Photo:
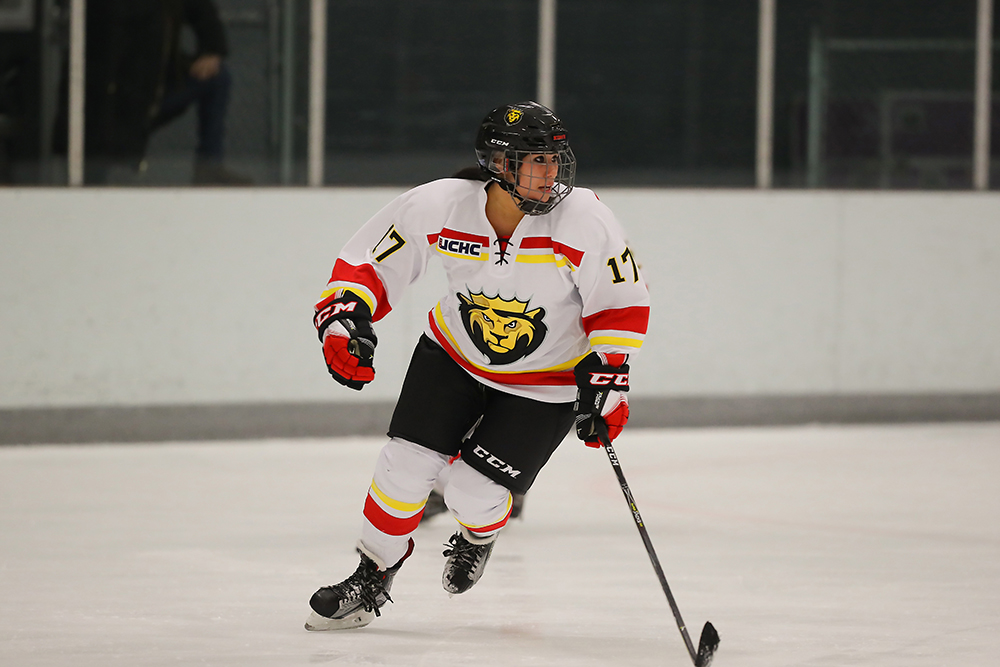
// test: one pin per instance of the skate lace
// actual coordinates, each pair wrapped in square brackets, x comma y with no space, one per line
[465,552]
[364,585]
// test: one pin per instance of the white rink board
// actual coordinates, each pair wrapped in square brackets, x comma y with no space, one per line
[862,546]
[153,297]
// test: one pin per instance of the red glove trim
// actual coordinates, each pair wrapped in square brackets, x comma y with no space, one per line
[615,421]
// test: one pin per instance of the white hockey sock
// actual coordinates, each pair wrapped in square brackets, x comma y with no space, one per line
[404,475]
[478,503]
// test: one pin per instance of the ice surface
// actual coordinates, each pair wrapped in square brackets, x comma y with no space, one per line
[812,546]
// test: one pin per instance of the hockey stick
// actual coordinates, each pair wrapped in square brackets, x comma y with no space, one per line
[709,641]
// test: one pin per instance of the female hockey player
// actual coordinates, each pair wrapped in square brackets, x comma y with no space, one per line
[544,304]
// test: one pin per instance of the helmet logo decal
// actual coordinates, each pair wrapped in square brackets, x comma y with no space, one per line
[513,115]
[503,330]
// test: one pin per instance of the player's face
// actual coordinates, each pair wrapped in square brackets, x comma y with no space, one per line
[537,175]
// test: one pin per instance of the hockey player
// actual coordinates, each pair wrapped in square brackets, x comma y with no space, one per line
[544,304]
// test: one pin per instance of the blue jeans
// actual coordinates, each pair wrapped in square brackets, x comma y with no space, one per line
[212,98]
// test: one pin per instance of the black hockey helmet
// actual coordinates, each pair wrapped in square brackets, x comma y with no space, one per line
[510,133]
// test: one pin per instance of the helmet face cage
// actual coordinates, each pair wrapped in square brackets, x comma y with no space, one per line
[535,185]
[515,147]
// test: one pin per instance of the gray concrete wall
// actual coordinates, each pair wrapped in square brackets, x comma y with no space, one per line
[116,299]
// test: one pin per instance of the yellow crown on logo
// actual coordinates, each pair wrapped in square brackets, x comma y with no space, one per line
[499,304]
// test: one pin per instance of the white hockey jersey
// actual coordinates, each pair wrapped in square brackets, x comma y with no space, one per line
[519,315]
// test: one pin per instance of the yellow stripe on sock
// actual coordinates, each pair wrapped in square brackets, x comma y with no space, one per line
[510,501]
[395,504]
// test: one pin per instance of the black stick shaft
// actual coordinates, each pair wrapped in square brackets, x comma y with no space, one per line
[606,441]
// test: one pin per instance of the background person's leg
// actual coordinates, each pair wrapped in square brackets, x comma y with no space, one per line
[212,99]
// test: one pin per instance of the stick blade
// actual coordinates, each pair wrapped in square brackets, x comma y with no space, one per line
[706,646]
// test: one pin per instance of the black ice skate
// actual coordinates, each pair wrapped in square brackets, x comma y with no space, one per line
[467,558]
[354,602]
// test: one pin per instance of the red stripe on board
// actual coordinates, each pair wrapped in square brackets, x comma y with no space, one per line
[432,239]
[543,378]
[633,318]
[386,522]
[364,275]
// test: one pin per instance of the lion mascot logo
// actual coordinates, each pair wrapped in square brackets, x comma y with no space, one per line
[502,330]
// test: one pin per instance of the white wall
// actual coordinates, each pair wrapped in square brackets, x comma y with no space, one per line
[134,297]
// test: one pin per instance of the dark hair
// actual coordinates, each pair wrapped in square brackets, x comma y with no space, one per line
[474,173]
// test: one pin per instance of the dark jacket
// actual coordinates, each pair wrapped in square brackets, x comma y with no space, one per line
[133,57]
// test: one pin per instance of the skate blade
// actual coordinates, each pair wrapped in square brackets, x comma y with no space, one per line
[360,619]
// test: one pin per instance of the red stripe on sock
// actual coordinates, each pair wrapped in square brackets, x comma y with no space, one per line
[387,523]
[483,531]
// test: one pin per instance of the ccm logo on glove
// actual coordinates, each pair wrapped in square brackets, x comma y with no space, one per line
[601,379]
[345,327]
[335,309]
[601,401]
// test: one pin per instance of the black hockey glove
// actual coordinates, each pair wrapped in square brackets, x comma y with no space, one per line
[601,401]
[344,325]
